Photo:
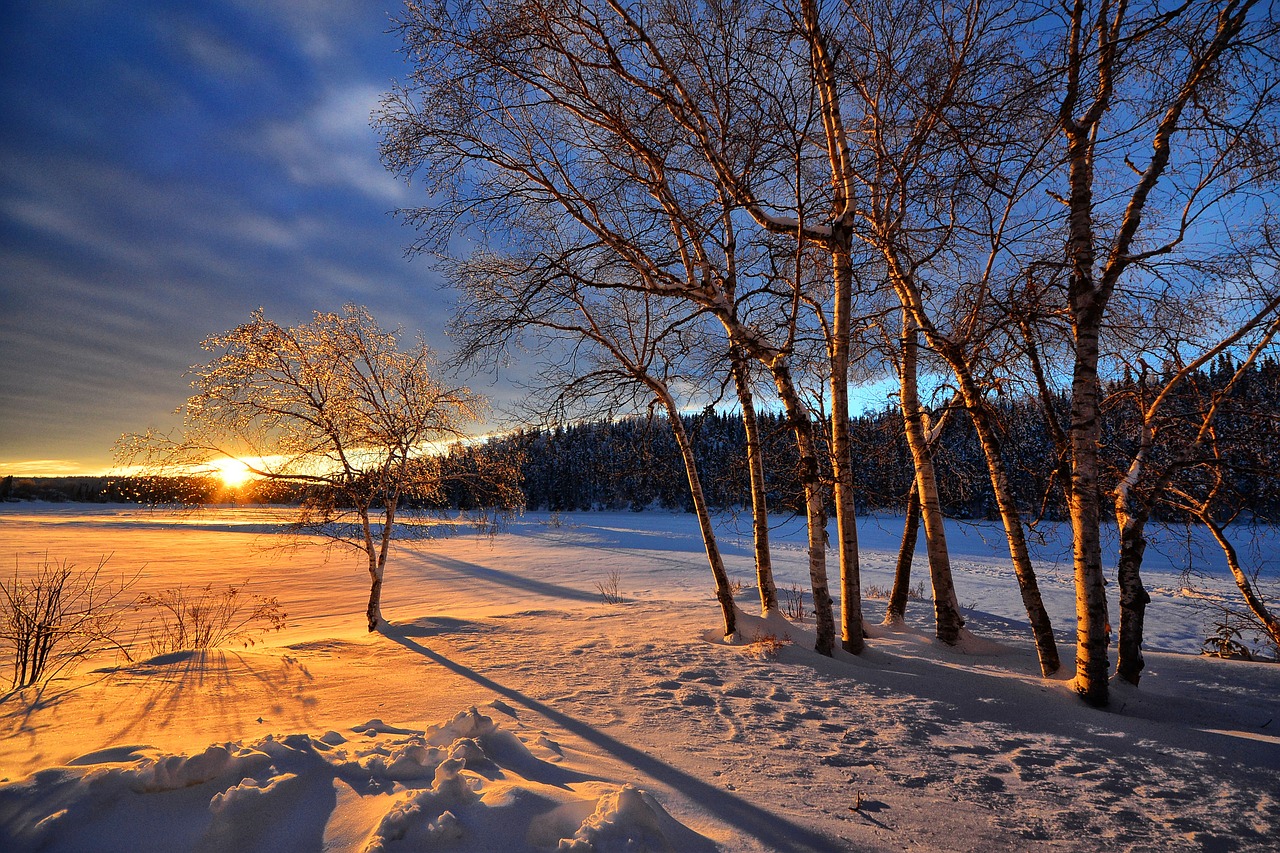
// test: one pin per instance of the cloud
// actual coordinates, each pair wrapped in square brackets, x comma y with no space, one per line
[207,50]
[332,144]
[221,160]
[321,29]
[46,468]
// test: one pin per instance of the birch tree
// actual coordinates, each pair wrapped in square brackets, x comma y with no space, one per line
[335,406]
[539,112]
[935,97]
[1167,444]
[1194,85]
[636,342]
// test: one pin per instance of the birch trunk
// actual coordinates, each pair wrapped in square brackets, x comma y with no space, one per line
[1133,596]
[374,610]
[373,613]
[806,446]
[945,607]
[724,594]
[851,639]
[815,508]
[1091,601]
[896,612]
[759,503]
[1024,571]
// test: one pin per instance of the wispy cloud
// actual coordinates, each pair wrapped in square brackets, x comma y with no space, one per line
[333,144]
[321,29]
[207,50]
[47,468]
[221,160]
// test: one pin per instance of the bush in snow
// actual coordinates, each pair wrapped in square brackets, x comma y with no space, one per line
[186,619]
[56,615]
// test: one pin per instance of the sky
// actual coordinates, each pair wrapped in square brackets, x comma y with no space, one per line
[165,169]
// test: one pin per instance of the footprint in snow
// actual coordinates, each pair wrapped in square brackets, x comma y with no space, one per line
[696,698]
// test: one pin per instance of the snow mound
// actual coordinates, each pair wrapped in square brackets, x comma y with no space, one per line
[626,820]
[466,783]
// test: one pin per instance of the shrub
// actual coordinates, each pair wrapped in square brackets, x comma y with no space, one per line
[609,588]
[203,618]
[56,615]
[880,593]
[767,646]
[793,603]
[1226,642]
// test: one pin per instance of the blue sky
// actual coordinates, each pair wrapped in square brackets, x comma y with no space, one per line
[165,168]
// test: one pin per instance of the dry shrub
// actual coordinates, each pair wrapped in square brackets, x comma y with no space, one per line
[187,619]
[55,615]
[793,603]
[879,593]
[610,589]
[767,646]
[1228,640]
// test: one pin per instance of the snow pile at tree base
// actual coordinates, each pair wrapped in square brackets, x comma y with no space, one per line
[467,784]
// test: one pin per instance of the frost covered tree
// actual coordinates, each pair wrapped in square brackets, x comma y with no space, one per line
[334,406]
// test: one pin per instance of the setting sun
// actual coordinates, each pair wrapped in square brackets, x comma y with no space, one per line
[234,472]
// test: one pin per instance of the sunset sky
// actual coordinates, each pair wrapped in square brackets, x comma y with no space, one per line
[166,167]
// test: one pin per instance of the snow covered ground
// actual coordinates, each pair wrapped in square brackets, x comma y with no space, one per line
[618,727]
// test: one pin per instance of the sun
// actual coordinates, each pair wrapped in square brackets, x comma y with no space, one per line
[234,472]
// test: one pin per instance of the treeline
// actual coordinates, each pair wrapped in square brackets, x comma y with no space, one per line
[455,490]
[63,489]
[633,463]
[105,489]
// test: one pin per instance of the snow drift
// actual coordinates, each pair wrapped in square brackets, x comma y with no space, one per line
[468,783]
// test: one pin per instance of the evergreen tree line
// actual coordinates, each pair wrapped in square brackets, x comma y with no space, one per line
[632,463]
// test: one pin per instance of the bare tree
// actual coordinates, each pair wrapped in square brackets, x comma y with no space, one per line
[755,470]
[1195,85]
[943,162]
[334,406]
[1258,612]
[1168,442]
[922,445]
[541,113]
[636,341]
[925,487]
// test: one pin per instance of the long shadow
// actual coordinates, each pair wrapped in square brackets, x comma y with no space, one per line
[1026,707]
[510,579]
[19,705]
[775,833]
[213,677]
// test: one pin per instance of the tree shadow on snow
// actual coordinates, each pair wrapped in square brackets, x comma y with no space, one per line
[432,626]
[774,832]
[507,579]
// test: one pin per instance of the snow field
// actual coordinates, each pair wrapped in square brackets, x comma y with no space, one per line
[627,727]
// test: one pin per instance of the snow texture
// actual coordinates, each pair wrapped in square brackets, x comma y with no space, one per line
[506,708]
